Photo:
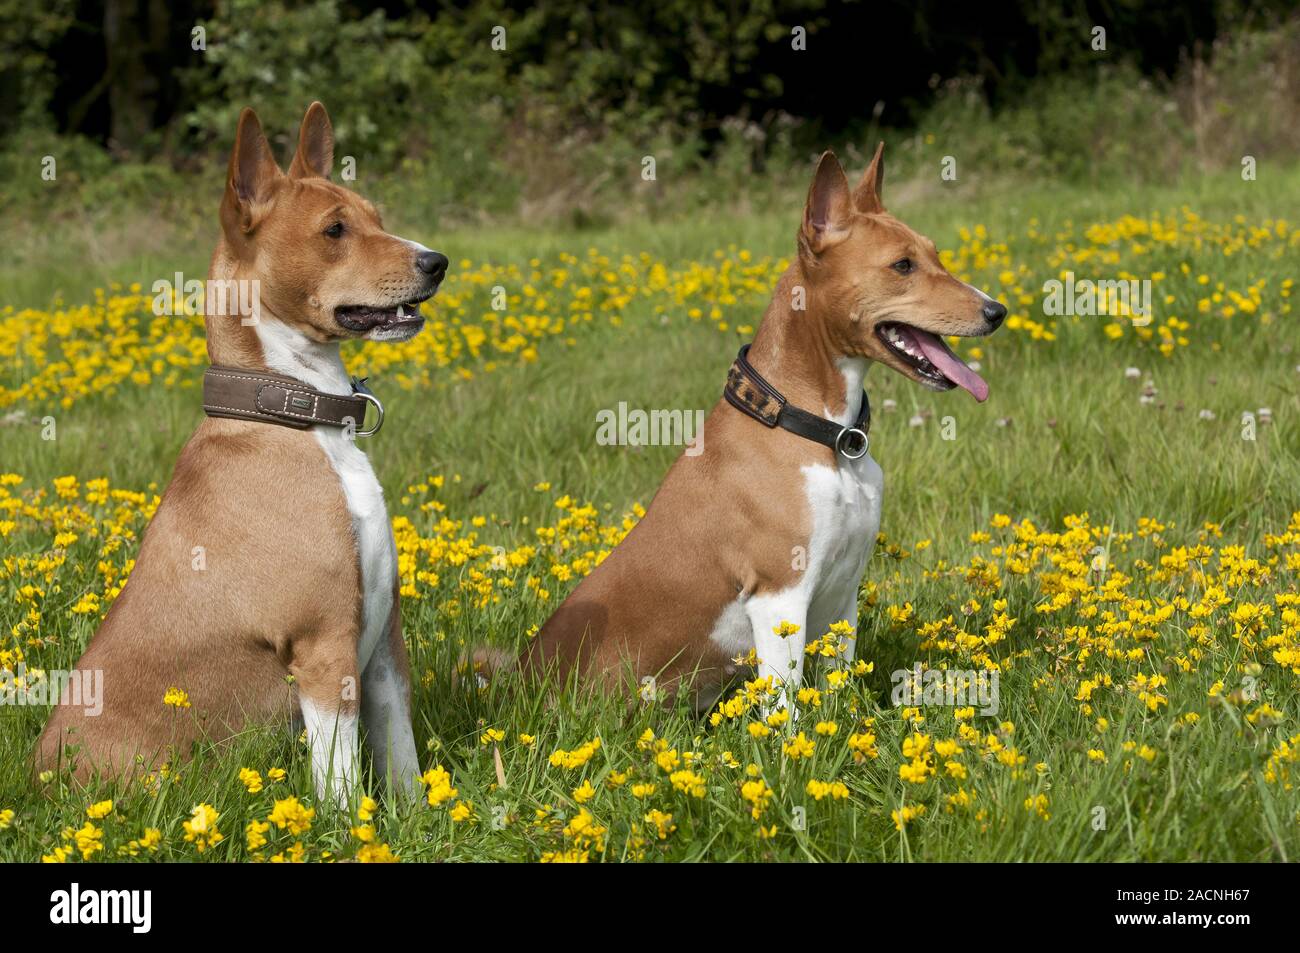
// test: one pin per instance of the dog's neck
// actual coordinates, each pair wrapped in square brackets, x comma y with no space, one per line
[268,343]
[288,351]
[795,353]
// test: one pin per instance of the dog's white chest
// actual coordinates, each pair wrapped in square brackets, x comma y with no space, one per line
[376,550]
[845,504]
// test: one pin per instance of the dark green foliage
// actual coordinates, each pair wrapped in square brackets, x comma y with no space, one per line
[555,125]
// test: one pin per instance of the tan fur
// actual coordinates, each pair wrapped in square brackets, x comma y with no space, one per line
[280,594]
[230,634]
[726,521]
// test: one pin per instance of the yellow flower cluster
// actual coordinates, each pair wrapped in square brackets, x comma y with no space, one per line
[490,316]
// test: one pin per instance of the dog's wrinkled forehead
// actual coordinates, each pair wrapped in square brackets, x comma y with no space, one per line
[892,239]
[321,199]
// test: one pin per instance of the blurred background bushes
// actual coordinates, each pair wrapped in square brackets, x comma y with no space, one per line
[553,128]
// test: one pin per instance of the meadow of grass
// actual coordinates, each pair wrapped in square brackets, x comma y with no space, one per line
[1120,546]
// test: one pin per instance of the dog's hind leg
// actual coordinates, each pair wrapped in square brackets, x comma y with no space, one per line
[386,711]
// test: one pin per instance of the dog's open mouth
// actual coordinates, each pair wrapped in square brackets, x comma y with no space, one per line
[395,318]
[934,362]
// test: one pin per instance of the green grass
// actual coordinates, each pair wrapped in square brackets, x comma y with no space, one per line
[1063,433]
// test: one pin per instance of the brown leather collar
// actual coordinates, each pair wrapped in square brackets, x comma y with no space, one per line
[276,399]
[751,394]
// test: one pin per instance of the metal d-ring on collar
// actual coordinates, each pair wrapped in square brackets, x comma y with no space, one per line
[361,390]
[751,394]
[852,442]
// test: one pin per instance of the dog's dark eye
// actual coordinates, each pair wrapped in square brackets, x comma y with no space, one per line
[335,230]
[903,266]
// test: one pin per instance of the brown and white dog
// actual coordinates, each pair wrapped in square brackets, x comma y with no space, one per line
[765,526]
[297,571]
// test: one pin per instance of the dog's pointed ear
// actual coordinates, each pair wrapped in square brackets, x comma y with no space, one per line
[828,214]
[252,172]
[866,197]
[315,155]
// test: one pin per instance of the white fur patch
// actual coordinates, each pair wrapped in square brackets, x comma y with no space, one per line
[334,748]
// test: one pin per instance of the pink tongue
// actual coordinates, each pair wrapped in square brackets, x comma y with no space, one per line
[951,366]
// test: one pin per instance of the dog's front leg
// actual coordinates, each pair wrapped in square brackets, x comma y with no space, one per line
[779,626]
[386,711]
[327,695]
[332,735]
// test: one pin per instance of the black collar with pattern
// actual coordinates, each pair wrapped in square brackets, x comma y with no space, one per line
[749,393]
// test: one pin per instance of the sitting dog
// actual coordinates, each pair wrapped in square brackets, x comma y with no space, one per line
[763,536]
[271,554]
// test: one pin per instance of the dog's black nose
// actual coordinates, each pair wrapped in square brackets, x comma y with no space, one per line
[432,263]
[994,312]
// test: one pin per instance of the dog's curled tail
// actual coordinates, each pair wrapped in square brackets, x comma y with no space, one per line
[485,663]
